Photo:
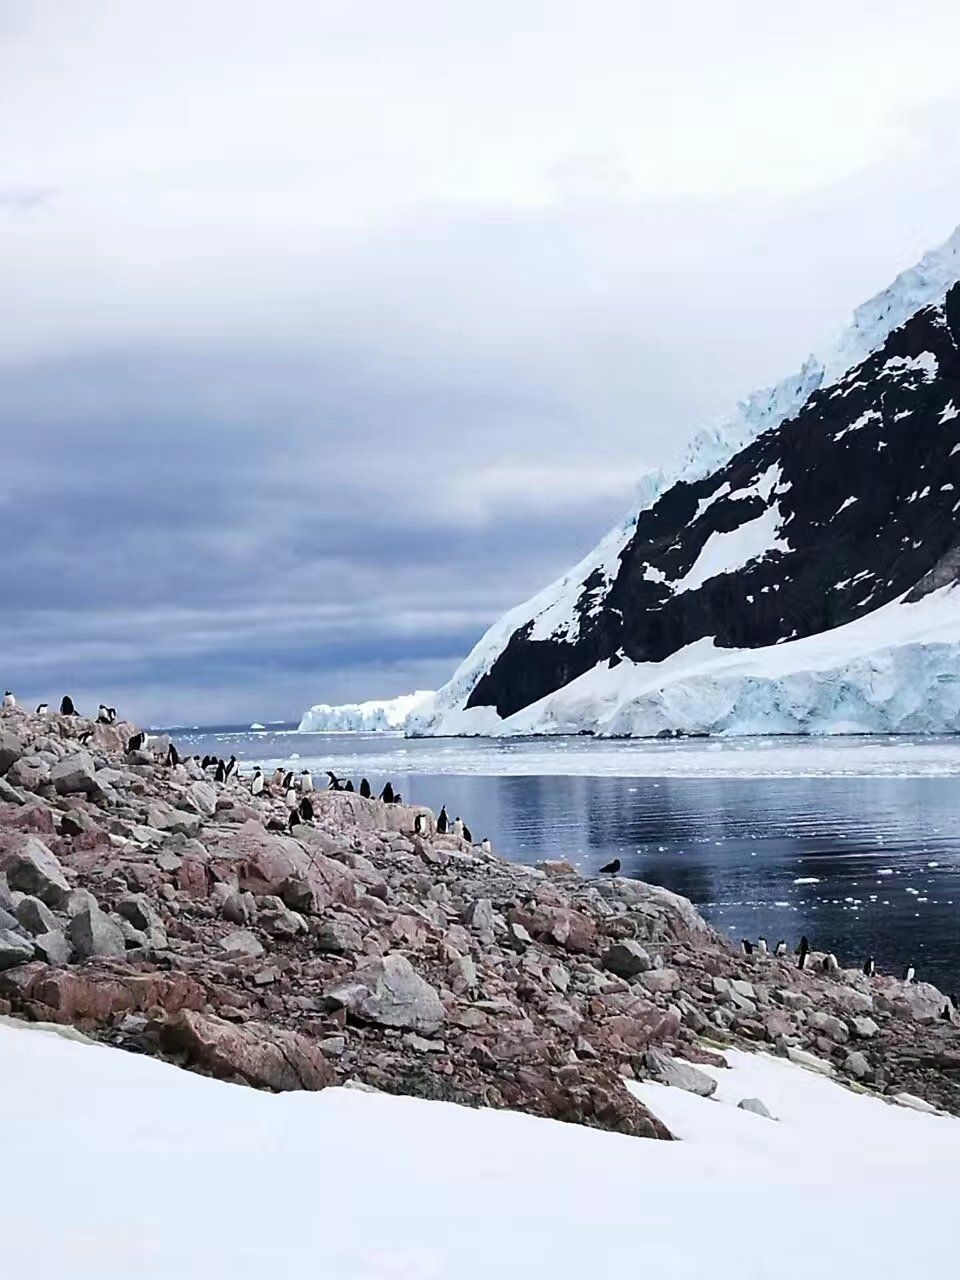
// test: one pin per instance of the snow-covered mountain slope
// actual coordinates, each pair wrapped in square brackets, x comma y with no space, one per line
[822,500]
[366,1186]
[387,716]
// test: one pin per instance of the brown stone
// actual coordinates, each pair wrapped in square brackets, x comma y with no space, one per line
[267,1057]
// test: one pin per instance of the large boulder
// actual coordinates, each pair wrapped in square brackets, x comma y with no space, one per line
[391,993]
[679,1075]
[264,1056]
[14,949]
[32,868]
[666,916]
[91,996]
[75,774]
[139,911]
[11,749]
[93,933]
[35,916]
[627,959]
[269,861]
[203,797]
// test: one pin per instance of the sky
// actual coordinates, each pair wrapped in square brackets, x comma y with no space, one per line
[329,332]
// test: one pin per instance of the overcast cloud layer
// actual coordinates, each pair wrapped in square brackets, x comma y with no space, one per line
[331,331]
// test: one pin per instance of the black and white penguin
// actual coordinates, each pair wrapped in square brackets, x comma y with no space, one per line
[112,713]
[136,742]
[231,766]
[306,810]
[762,946]
[257,785]
[277,778]
[173,756]
[43,708]
[365,788]
[221,772]
[293,820]
[306,782]
[420,825]
[458,826]
[288,780]
[386,795]
[84,738]
[103,714]
[780,949]
[803,950]
[485,845]
[348,785]
[870,967]
[746,946]
[66,706]
[910,974]
[442,822]
[467,835]
[335,783]
[611,868]
[946,1013]
[830,963]
[8,699]
[397,798]
[290,798]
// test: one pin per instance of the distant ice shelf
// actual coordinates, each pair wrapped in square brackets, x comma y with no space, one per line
[388,715]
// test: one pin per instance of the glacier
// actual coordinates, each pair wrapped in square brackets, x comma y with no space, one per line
[705,689]
[388,715]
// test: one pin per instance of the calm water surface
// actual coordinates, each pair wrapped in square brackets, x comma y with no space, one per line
[855,842]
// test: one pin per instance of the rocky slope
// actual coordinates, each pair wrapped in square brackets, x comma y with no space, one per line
[157,910]
[831,498]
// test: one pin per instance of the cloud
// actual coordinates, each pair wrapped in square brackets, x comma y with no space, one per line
[331,332]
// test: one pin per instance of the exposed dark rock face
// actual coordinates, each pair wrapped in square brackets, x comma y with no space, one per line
[859,492]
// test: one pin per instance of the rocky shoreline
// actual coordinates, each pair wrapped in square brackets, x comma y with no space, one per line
[155,910]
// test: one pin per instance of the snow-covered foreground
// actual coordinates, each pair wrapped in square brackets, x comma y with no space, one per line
[118,1166]
[388,715]
[896,670]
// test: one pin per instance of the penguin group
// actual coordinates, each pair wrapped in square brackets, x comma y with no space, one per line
[828,962]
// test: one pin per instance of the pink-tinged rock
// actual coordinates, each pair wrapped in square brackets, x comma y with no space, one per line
[265,1056]
[268,860]
[35,817]
[191,877]
[91,996]
[638,1029]
[31,867]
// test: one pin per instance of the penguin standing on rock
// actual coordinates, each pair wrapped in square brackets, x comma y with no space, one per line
[84,738]
[103,714]
[831,964]
[348,785]
[306,782]
[397,798]
[277,778]
[134,743]
[221,773]
[257,785]
[442,822]
[288,780]
[780,949]
[365,788]
[467,834]
[458,827]
[485,845]
[290,799]
[306,810]
[173,756]
[803,950]
[231,766]
[8,699]
[611,869]
[386,795]
[870,967]
[762,946]
[910,974]
[746,946]
[66,706]
[43,708]
[420,825]
[335,783]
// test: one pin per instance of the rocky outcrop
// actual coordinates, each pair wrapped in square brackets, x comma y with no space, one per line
[356,950]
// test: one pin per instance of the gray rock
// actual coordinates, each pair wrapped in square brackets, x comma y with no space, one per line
[8,920]
[139,911]
[857,1064]
[35,917]
[810,1060]
[53,947]
[391,993]
[75,774]
[14,949]
[277,918]
[627,959]
[32,868]
[679,1075]
[78,901]
[203,797]
[479,916]
[332,1046]
[93,933]
[754,1105]
[242,943]
[661,981]
[518,936]
[863,1028]
[744,989]
[827,1025]
[11,749]
[338,936]
[10,794]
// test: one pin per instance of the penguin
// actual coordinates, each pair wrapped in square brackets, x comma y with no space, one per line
[386,795]
[467,835]
[103,714]
[84,738]
[306,782]
[134,743]
[306,810]
[43,708]
[419,825]
[802,952]
[335,783]
[8,699]
[485,845]
[397,798]
[746,946]
[231,766]
[290,799]
[348,785]
[458,827]
[780,949]
[294,819]
[611,868]
[173,756]
[221,773]
[112,713]
[256,786]
[365,788]
[277,778]
[946,1013]
[66,706]
[442,822]
[830,963]
[910,974]
[288,780]
[762,946]
[870,967]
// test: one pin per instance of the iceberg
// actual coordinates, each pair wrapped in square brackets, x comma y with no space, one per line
[388,715]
